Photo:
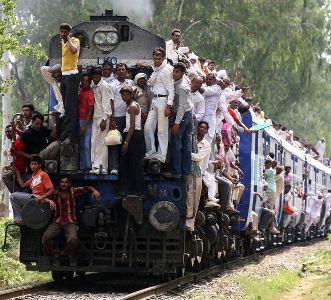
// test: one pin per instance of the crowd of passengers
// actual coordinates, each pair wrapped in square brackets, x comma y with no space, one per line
[185,115]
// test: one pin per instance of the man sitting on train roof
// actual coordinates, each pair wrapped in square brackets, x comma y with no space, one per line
[119,108]
[40,184]
[162,86]
[69,83]
[64,220]
[37,140]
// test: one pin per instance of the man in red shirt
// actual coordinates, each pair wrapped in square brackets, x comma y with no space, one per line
[64,219]
[40,184]
[85,115]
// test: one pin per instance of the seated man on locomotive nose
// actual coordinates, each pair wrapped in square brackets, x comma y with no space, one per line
[40,184]
[63,201]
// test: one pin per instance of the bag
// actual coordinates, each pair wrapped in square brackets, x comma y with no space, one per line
[113,138]
[288,209]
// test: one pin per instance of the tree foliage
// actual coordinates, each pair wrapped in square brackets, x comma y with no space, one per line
[279,44]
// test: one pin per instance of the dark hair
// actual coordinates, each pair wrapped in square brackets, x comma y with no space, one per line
[36,159]
[286,167]
[180,66]
[203,122]
[159,51]
[121,65]
[107,63]
[38,116]
[212,62]
[174,31]
[96,71]
[243,109]
[65,26]
[272,155]
[65,176]
[86,75]
[29,106]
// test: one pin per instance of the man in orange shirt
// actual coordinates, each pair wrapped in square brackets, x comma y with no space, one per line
[40,184]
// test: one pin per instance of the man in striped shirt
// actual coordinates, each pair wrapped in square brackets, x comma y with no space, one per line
[63,201]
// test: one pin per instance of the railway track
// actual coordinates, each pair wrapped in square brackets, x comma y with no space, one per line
[147,292]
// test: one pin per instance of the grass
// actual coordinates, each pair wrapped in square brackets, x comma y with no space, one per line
[12,272]
[270,287]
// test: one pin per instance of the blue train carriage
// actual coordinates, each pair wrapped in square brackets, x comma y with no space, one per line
[117,235]
[308,174]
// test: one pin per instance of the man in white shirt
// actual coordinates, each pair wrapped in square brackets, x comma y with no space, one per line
[162,87]
[119,108]
[101,119]
[107,72]
[172,46]
[198,101]
[320,147]
[200,155]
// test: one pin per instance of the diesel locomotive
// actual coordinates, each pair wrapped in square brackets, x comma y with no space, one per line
[147,234]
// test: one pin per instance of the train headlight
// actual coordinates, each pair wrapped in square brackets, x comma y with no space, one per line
[106,38]
[100,38]
[112,38]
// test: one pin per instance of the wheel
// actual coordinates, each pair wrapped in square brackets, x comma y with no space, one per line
[57,275]
[80,273]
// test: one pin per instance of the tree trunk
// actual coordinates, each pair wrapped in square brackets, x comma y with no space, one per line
[6,118]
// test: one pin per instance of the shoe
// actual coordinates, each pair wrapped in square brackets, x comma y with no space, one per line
[72,261]
[214,199]
[56,261]
[114,172]
[170,175]
[273,230]
[212,204]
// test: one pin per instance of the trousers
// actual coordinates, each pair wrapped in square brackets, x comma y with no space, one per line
[99,149]
[53,230]
[193,199]
[69,91]
[18,200]
[85,146]
[181,146]
[157,118]
[115,151]
[51,152]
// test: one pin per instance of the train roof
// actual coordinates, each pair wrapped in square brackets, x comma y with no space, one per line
[290,148]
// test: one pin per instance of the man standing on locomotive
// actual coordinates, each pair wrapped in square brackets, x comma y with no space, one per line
[172,46]
[162,86]
[69,83]
[63,201]
[100,124]
[119,111]
[181,126]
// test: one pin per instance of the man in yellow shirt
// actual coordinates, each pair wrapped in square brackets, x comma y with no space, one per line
[69,83]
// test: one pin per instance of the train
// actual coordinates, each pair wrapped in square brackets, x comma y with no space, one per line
[147,235]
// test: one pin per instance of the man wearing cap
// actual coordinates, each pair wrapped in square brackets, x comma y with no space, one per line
[172,46]
[162,87]
[100,124]
[69,83]
[119,108]
[142,96]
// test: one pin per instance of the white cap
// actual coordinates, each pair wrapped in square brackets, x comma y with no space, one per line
[138,76]
[193,56]
[221,74]
[183,50]
[56,67]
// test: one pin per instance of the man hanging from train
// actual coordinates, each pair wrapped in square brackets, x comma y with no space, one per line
[119,112]
[69,83]
[181,126]
[200,156]
[162,87]
[63,202]
[100,124]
